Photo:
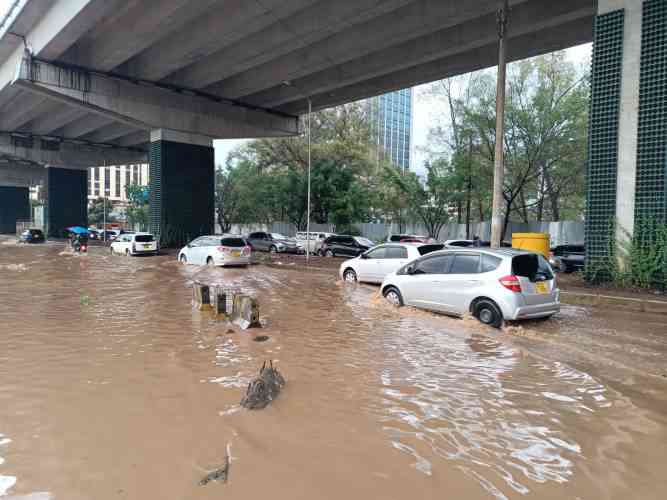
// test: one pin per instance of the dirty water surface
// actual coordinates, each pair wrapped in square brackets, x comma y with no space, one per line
[112,386]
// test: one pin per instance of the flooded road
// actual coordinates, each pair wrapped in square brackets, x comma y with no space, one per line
[113,387]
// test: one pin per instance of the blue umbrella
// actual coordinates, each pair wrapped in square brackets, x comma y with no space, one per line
[77,230]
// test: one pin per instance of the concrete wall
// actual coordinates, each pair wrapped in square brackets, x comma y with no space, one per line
[14,206]
[67,199]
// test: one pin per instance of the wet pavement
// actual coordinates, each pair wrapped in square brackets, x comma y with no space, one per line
[113,386]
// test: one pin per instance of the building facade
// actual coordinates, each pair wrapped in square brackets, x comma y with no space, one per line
[110,182]
[391,127]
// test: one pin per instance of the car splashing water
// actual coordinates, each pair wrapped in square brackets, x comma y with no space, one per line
[113,386]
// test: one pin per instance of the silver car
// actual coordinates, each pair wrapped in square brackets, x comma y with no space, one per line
[273,242]
[216,250]
[491,284]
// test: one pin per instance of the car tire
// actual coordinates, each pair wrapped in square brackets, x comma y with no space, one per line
[566,268]
[349,275]
[127,252]
[273,249]
[329,253]
[393,296]
[111,250]
[209,262]
[487,312]
[183,259]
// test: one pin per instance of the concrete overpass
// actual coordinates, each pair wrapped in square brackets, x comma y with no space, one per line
[162,78]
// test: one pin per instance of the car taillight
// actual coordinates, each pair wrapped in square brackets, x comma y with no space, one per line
[84,248]
[511,282]
[246,250]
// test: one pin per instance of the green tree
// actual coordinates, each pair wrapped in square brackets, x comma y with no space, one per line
[138,210]
[96,209]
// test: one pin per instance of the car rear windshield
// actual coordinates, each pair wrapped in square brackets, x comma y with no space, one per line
[424,249]
[363,241]
[144,238]
[232,242]
[533,266]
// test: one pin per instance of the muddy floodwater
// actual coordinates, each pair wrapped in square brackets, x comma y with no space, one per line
[113,387]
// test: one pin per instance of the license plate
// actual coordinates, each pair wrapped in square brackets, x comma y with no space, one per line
[541,287]
[236,253]
[147,246]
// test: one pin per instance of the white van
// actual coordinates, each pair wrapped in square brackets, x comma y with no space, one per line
[135,244]
[315,242]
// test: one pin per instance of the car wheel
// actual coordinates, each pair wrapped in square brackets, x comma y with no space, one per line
[184,259]
[127,252]
[111,250]
[488,313]
[209,262]
[329,253]
[566,268]
[393,296]
[350,276]
[273,249]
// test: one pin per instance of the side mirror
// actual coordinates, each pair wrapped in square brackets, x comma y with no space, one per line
[189,245]
[410,269]
[364,256]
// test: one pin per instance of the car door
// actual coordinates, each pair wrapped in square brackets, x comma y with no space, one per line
[369,265]
[194,251]
[349,247]
[419,288]
[453,290]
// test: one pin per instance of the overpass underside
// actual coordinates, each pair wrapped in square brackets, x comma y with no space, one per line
[162,78]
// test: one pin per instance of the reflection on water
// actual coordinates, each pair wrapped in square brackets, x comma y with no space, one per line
[112,386]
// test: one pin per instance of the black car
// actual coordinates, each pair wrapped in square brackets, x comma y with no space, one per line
[345,246]
[568,258]
[32,236]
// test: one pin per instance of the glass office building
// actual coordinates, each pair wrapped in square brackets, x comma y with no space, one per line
[391,126]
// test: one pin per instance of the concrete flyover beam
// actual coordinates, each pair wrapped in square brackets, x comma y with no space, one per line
[86,124]
[287,35]
[56,30]
[108,133]
[133,139]
[145,105]
[218,28]
[411,21]
[148,21]
[44,125]
[526,18]
[66,154]
[523,46]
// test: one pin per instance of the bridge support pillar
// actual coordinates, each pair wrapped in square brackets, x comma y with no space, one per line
[627,157]
[67,199]
[14,206]
[182,177]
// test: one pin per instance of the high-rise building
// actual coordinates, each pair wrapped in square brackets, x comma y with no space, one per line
[391,126]
[110,182]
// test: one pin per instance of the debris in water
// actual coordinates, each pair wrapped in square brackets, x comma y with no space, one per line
[221,474]
[230,331]
[84,300]
[263,389]
[261,338]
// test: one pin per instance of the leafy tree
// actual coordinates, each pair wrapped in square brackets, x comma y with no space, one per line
[138,206]
[96,209]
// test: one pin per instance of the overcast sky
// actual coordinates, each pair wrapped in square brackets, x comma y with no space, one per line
[424,118]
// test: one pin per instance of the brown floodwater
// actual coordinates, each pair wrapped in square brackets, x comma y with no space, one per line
[113,387]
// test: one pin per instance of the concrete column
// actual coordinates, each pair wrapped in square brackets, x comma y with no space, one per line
[628,113]
[181,180]
[67,199]
[14,206]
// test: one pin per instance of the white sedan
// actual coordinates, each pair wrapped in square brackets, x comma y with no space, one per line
[373,265]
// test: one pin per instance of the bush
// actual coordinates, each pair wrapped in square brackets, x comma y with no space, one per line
[640,261]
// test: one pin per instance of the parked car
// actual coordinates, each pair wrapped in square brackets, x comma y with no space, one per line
[372,266]
[135,244]
[273,242]
[568,258]
[343,245]
[314,243]
[407,238]
[216,250]
[32,236]
[492,284]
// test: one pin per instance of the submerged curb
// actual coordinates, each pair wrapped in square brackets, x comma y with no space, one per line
[627,303]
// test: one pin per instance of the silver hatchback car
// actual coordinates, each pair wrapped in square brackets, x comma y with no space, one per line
[492,284]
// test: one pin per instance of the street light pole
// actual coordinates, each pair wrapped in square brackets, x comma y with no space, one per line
[310,111]
[499,163]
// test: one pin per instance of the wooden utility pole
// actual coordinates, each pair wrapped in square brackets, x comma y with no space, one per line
[499,163]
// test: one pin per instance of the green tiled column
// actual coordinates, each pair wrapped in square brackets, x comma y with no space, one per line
[603,134]
[651,195]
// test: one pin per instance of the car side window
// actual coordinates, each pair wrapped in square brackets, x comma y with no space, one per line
[377,253]
[396,253]
[433,265]
[196,243]
[490,263]
[465,264]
